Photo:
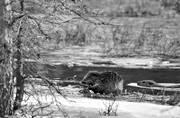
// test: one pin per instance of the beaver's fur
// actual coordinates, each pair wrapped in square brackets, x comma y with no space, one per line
[103,82]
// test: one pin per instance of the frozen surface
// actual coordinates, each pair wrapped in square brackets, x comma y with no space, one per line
[89,54]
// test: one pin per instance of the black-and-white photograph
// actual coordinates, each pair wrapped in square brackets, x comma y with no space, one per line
[89,58]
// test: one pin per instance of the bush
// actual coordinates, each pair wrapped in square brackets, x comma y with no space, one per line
[168,3]
[174,99]
[171,5]
[76,35]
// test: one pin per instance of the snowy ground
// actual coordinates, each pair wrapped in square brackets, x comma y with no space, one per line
[91,108]
[77,106]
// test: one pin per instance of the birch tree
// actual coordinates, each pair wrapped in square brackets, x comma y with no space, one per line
[6,60]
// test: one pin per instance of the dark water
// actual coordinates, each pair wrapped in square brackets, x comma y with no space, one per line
[164,75]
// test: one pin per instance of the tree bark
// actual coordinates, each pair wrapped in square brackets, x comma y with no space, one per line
[18,72]
[6,61]
[19,64]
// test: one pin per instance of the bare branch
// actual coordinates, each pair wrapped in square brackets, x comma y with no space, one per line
[39,27]
[15,19]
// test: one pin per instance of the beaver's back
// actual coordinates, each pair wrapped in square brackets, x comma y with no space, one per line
[112,81]
[109,77]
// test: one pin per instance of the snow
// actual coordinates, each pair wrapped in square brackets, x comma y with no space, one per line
[158,88]
[88,106]
[85,56]
[77,106]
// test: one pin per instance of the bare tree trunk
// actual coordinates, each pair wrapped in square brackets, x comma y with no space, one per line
[18,73]
[19,65]
[6,60]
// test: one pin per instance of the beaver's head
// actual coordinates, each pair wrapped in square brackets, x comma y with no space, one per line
[91,78]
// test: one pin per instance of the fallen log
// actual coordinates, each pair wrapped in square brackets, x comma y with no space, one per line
[155,90]
[152,83]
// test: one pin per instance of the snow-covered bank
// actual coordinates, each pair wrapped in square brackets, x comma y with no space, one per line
[93,56]
[90,108]
[139,110]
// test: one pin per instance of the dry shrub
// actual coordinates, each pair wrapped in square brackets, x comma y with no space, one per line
[110,109]
[174,99]
[75,35]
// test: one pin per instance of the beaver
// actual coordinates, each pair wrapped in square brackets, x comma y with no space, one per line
[152,83]
[103,82]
